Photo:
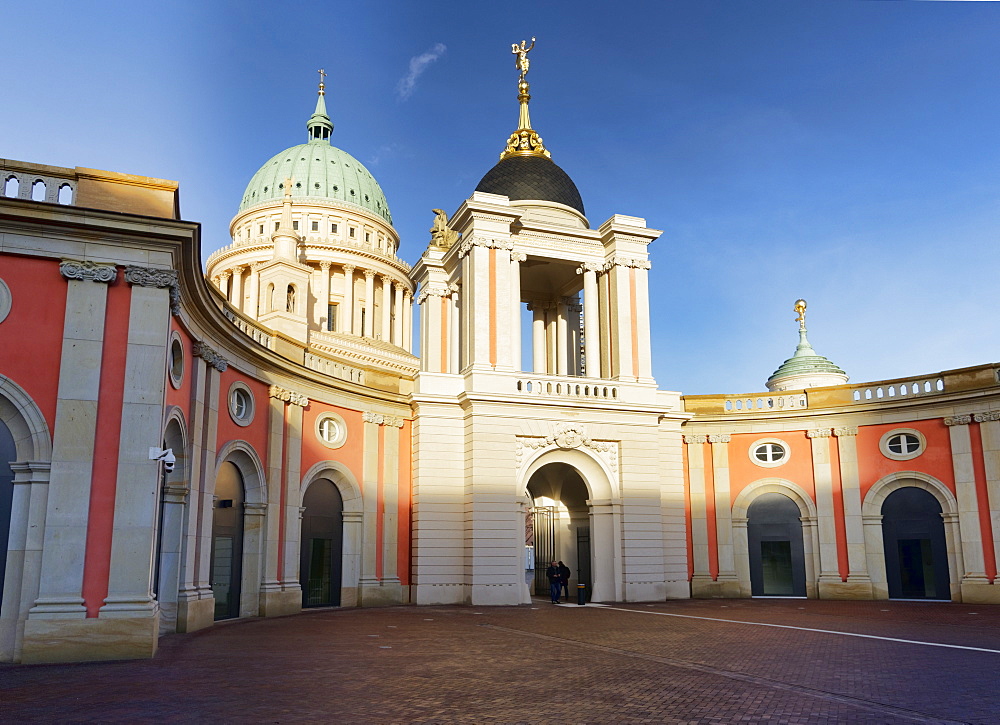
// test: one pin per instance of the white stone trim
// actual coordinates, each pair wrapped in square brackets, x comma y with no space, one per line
[176,380]
[6,299]
[883,444]
[247,419]
[340,439]
[751,452]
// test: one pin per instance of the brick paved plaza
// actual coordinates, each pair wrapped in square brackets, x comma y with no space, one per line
[548,663]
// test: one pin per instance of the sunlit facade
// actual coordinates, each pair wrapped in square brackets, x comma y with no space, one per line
[318,462]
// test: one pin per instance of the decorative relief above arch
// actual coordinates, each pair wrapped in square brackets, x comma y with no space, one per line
[566,437]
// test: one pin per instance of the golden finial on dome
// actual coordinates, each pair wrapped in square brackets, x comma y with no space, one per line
[800,308]
[525,141]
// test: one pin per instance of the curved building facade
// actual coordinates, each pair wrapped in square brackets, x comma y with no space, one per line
[179,447]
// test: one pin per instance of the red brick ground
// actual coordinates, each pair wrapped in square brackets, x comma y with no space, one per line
[546,664]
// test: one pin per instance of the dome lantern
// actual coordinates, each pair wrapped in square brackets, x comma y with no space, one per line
[805,369]
[319,124]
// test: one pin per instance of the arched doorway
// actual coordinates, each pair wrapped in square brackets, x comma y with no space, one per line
[322,545]
[777,557]
[8,454]
[916,554]
[226,567]
[560,524]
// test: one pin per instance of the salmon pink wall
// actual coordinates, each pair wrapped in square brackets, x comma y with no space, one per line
[34,330]
[934,461]
[256,433]
[181,397]
[798,469]
[349,454]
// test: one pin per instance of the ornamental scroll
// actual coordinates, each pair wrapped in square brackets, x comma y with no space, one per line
[382,419]
[568,436]
[147,277]
[288,396]
[88,271]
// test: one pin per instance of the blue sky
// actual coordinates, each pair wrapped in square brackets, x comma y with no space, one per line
[845,152]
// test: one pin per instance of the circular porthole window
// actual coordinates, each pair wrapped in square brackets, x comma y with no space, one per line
[241,407]
[769,452]
[5,300]
[176,360]
[902,444]
[331,430]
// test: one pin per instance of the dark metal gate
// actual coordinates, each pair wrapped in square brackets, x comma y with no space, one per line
[544,524]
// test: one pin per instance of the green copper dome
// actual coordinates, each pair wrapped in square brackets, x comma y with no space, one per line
[805,361]
[318,171]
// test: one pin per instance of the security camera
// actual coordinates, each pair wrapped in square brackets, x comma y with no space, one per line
[166,456]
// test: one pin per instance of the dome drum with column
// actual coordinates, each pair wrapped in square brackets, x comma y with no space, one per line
[320,212]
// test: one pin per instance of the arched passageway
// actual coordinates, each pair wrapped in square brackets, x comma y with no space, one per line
[777,557]
[226,568]
[322,545]
[916,554]
[8,454]
[559,525]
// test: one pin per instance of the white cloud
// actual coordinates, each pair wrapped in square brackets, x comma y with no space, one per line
[418,64]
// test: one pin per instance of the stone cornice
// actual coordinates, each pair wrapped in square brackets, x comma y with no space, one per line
[71,269]
[619,260]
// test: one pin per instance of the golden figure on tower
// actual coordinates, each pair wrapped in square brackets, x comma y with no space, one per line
[525,141]
[522,63]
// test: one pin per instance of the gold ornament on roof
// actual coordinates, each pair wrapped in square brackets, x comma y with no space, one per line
[322,85]
[800,308]
[525,141]
[442,235]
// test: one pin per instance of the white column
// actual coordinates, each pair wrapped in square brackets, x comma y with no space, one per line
[253,305]
[699,509]
[397,306]
[573,337]
[591,321]
[641,322]
[386,326]
[369,324]
[61,581]
[829,567]
[136,509]
[968,505]
[454,334]
[538,354]
[238,286]
[324,296]
[347,311]
[723,506]
[224,283]
[850,484]
[515,308]
[989,430]
[562,337]
[408,320]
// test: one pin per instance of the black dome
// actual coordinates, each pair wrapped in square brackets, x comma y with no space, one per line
[524,178]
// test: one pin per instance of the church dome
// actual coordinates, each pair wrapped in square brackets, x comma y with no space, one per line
[806,368]
[318,171]
[532,178]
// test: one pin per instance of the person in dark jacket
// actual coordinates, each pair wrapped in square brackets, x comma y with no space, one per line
[555,582]
[564,574]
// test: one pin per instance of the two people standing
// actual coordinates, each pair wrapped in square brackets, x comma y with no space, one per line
[558,574]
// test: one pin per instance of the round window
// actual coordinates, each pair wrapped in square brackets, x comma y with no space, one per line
[331,430]
[769,452]
[241,405]
[176,369]
[902,444]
